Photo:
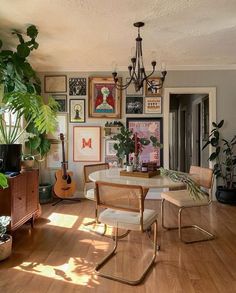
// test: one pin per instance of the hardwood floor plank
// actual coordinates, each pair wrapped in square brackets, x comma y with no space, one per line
[59,254]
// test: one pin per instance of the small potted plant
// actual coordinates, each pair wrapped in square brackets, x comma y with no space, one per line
[5,240]
[27,161]
[224,158]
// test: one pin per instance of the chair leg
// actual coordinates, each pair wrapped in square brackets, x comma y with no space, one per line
[180,227]
[209,236]
[113,252]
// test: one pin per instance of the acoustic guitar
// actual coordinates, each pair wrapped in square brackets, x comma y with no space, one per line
[64,186]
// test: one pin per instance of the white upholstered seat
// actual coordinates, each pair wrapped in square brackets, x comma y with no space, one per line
[127,220]
[181,198]
[90,194]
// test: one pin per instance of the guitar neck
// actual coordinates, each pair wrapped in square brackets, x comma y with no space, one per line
[63,163]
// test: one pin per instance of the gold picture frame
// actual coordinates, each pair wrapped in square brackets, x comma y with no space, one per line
[104,98]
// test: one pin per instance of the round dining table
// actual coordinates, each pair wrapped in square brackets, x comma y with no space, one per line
[113,175]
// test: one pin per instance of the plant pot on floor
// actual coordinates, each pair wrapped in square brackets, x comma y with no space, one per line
[5,246]
[45,193]
[10,157]
[225,195]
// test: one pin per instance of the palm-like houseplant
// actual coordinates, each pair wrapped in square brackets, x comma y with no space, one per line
[22,96]
[224,158]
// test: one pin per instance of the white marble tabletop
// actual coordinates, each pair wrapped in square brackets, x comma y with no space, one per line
[113,176]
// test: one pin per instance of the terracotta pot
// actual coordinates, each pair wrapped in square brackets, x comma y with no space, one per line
[5,247]
[27,164]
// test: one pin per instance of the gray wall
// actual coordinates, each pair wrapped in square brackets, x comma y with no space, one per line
[224,81]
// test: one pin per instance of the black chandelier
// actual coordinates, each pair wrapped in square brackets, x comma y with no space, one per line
[137,71]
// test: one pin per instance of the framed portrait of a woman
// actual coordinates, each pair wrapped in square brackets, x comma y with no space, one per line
[104,98]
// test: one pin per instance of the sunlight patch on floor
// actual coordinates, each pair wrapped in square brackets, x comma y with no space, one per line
[62,220]
[76,271]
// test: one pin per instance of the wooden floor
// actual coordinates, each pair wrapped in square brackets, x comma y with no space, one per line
[59,255]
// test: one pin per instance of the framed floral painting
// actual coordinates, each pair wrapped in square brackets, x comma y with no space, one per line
[146,127]
[104,98]
[86,143]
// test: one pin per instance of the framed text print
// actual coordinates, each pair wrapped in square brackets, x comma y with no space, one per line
[87,143]
[146,127]
[104,98]
[152,105]
[55,84]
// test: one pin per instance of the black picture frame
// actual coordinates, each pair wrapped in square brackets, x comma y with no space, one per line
[62,101]
[81,112]
[145,129]
[134,105]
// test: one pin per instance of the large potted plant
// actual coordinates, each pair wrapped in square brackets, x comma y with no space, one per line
[224,158]
[5,240]
[22,100]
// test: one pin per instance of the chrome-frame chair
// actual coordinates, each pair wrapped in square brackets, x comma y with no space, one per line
[124,208]
[181,199]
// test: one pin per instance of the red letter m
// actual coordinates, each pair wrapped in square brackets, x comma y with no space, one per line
[87,143]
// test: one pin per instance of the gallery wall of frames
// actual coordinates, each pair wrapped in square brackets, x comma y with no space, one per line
[87,104]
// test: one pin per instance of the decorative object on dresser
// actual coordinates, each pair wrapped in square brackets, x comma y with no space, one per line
[20,199]
[64,187]
[104,98]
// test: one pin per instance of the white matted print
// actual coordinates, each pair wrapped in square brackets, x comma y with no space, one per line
[54,157]
[55,84]
[77,110]
[62,125]
[152,105]
[86,143]
[109,147]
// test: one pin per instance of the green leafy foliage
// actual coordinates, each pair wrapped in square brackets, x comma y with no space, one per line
[195,191]
[223,155]
[3,181]
[4,222]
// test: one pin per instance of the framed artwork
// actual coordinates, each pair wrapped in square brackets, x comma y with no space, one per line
[146,127]
[77,110]
[134,105]
[112,161]
[153,91]
[152,105]
[62,101]
[77,86]
[87,143]
[109,147]
[62,127]
[55,84]
[54,157]
[130,91]
[104,98]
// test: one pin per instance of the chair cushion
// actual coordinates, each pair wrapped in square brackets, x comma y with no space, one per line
[90,194]
[127,220]
[182,198]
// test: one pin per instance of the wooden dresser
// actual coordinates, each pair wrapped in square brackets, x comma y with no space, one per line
[20,200]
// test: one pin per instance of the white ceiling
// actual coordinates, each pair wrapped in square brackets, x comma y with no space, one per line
[88,35]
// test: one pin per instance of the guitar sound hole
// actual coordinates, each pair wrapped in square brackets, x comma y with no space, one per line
[68,179]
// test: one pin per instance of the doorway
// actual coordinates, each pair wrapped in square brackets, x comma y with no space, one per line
[199,132]
[189,125]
